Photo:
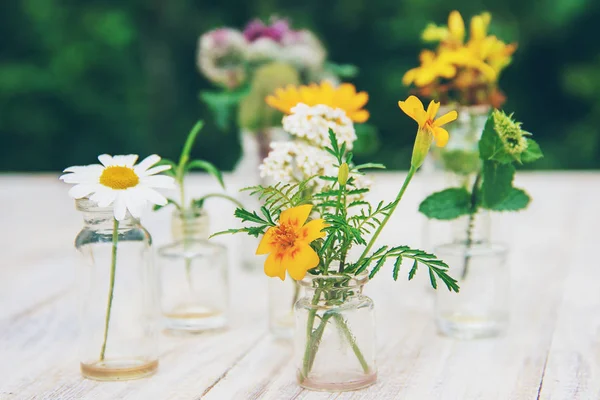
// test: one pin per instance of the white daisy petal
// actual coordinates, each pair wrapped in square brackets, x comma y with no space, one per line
[106,160]
[155,170]
[134,202]
[152,196]
[82,190]
[125,161]
[158,181]
[120,207]
[146,163]
[89,174]
[104,197]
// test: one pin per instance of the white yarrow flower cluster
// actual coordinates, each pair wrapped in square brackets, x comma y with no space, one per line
[313,125]
[295,161]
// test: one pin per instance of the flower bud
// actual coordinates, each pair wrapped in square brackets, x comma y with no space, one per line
[343,174]
[510,133]
[421,148]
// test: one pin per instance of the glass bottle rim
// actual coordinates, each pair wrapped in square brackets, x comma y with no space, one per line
[347,280]
[86,205]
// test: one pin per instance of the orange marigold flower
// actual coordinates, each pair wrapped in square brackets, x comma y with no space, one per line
[288,244]
[344,97]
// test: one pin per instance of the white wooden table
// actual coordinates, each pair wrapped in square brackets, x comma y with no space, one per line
[551,349]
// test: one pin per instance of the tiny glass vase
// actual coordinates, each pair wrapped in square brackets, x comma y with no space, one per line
[481,307]
[118,297]
[283,296]
[194,286]
[334,337]
[456,165]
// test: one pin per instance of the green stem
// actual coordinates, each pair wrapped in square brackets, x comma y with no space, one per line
[346,330]
[113,266]
[411,173]
[310,322]
[470,226]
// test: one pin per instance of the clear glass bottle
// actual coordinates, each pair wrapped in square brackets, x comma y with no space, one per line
[457,165]
[335,334]
[282,299]
[194,286]
[481,307]
[118,297]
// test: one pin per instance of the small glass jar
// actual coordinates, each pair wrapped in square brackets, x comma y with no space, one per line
[118,297]
[335,334]
[283,296]
[194,286]
[481,307]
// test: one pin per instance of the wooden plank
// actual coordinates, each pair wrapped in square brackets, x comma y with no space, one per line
[572,368]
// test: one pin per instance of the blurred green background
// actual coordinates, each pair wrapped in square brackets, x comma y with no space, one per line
[80,78]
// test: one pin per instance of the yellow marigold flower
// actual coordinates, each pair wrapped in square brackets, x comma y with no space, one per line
[288,244]
[432,67]
[435,33]
[479,26]
[469,58]
[343,97]
[413,107]
[456,26]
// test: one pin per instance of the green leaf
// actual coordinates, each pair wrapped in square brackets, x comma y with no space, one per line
[516,200]
[208,167]
[461,162]
[497,182]
[377,267]
[369,165]
[342,70]
[189,142]
[397,264]
[157,207]
[413,271]
[447,204]
[491,146]
[223,103]
[533,152]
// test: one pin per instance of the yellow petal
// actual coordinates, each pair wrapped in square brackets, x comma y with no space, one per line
[478,28]
[266,243]
[410,105]
[312,231]
[432,109]
[359,100]
[274,265]
[441,136]
[409,76]
[359,116]
[296,216]
[444,119]
[456,26]
[299,260]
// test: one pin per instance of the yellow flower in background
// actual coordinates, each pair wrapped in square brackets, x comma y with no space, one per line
[467,58]
[288,244]
[432,67]
[479,26]
[456,27]
[413,107]
[435,33]
[343,97]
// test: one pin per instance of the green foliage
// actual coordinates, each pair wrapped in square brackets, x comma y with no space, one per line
[533,152]
[461,162]
[448,204]
[493,186]
[516,200]
[497,182]
[223,104]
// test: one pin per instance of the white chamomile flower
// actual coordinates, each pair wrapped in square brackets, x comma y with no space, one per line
[121,183]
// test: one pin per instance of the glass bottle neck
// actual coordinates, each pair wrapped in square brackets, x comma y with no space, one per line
[191,224]
[330,290]
[102,218]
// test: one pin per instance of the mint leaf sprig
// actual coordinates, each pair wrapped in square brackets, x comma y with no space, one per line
[503,145]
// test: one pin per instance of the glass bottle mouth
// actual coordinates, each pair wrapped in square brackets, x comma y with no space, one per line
[334,281]
[192,223]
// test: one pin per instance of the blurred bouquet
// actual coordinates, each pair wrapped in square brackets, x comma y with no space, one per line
[250,64]
[459,70]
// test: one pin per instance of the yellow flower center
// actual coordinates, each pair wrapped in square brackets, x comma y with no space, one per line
[117,177]
[285,236]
